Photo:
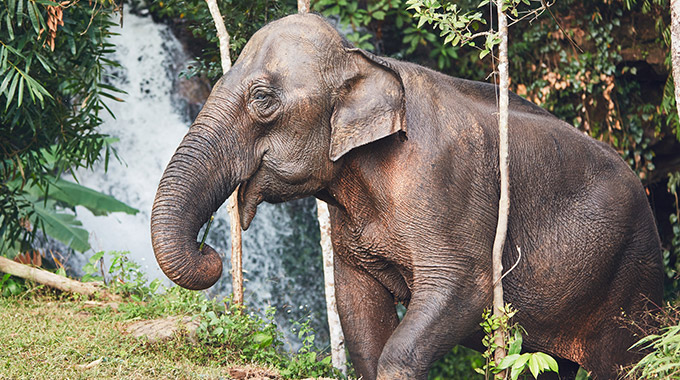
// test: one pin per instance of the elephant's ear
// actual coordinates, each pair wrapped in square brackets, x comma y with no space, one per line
[370,104]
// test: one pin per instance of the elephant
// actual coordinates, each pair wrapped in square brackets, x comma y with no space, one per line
[407,160]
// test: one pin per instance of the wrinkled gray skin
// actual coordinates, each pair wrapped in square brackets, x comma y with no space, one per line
[407,159]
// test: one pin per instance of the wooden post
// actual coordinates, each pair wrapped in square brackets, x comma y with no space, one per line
[504,202]
[232,203]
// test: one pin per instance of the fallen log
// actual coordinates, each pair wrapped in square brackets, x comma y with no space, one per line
[53,280]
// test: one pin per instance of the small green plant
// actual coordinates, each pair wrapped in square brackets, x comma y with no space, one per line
[663,359]
[516,362]
[306,362]
[124,276]
[11,286]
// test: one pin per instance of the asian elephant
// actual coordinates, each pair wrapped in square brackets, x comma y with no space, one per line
[407,158]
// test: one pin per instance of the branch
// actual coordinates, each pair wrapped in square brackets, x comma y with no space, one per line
[52,280]
[222,35]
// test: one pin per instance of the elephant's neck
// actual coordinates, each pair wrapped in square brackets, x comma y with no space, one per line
[359,191]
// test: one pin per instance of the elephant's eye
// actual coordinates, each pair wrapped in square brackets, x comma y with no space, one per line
[260,96]
[264,101]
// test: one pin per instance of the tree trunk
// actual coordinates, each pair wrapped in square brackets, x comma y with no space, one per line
[303,6]
[232,205]
[504,203]
[338,356]
[675,49]
[52,280]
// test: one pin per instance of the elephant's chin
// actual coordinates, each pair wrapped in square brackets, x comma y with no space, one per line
[249,197]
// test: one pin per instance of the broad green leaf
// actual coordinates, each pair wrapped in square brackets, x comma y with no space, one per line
[520,362]
[79,195]
[508,361]
[533,366]
[263,339]
[549,361]
[516,345]
[63,227]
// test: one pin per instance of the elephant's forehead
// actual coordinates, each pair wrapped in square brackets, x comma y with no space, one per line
[290,46]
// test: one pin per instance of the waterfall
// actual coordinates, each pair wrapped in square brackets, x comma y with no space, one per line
[281,253]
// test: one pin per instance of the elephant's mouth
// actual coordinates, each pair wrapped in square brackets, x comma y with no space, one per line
[248,197]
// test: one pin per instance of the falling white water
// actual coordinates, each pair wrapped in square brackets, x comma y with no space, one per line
[282,259]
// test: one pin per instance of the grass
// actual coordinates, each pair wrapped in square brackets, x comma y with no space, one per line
[44,334]
[44,337]
[51,336]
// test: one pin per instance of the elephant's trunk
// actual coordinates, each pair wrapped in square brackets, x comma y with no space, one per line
[198,179]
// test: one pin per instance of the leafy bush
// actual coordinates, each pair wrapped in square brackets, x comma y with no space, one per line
[52,89]
[663,360]
[124,276]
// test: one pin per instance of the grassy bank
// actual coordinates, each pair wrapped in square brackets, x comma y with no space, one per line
[57,337]
[49,334]
[46,337]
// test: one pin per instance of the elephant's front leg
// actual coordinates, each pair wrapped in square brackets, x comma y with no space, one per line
[367,313]
[436,320]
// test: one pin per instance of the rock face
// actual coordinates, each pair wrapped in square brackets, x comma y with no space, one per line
[159,330]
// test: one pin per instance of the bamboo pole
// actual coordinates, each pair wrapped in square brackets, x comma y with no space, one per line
[232,203]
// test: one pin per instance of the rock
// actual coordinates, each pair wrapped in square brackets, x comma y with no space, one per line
[158,330]
[252,373]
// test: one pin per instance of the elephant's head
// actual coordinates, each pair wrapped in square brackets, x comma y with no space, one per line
[278,123]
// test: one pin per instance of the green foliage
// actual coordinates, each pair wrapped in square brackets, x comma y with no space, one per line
[663,362]
[306,362]
[242,18]
[459,27]
[48,202]
[516,362]
[124,276]
[234,335]
[80,332]
[52,61]
[460,363]
[11,286]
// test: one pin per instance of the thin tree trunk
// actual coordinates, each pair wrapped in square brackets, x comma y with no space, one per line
[504,203]
[232,205]
[675,49]
[303,6]
[51,279]
[338,356]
